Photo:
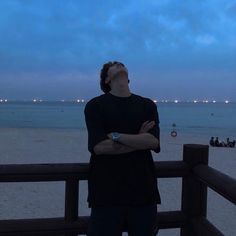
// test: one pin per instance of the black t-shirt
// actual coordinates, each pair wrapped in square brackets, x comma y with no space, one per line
[121,179]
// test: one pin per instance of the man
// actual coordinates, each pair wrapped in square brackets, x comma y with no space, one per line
[123,128]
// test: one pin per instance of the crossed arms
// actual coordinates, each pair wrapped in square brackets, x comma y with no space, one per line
[129,142]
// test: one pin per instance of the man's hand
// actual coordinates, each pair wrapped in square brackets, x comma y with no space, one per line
[108,147]
[146,126]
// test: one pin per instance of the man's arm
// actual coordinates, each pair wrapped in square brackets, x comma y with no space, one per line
[141,141]
[112,148]
[131,142]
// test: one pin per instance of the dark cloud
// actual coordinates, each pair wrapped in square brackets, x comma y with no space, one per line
[62,37]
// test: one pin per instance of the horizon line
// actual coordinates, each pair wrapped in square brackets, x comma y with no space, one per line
[85,100]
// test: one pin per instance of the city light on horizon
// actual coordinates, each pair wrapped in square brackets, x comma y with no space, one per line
[155,100]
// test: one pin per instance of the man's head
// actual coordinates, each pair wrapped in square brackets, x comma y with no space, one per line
[113,74]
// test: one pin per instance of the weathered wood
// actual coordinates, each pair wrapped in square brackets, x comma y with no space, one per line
[43,172]
[194,192]
[71,200]
[203,227]
[42,227]
[171,219]
[58,226]
[171,169]
[61,172]
[219,182]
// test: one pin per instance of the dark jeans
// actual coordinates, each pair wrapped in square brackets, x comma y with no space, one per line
[109,221]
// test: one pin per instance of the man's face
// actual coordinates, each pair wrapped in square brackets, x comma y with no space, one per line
[115,70]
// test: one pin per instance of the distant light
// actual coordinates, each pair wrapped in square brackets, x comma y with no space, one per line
[176,101]
[62,100]
[226,101]
[82,100]
[205,101]
[35,100]
[78,100]
[195,101]
[155,101]
[40,100]
[214,101]
[1,100]
[166,100]
[5,100]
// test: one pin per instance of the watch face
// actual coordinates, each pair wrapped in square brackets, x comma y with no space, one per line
[115,136]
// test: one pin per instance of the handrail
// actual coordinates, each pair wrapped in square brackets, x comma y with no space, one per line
[194,171]
[79,171]
[219,182]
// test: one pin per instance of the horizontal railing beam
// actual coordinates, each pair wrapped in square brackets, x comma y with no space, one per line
[47,227]
[55,226]
[171,169]
[62,172]
[219,182]
[43,172]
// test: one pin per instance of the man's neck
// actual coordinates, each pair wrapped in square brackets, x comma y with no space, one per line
[119,88]
[121,92]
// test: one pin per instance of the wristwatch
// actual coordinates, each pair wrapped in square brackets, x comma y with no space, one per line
[115,136]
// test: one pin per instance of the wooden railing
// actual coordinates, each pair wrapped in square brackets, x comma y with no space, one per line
[194,171]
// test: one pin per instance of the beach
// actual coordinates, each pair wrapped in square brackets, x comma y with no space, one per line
[42,145]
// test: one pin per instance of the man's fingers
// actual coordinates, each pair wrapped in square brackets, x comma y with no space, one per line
[147,122]
[151,123]
[144,123]
[149,126]
[146,126]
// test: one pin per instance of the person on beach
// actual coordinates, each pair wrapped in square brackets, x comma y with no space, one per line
[123,128]
[217,142]
[212,141]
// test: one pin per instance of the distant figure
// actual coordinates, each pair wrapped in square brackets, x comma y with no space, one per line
[217,143]
[123,128]
[223,144]
[230,144]
[233,143]
[212,141]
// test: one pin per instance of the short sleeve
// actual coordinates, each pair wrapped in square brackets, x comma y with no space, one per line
[94,123]
[152,115]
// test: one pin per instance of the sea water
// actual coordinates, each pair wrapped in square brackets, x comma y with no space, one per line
[212,119]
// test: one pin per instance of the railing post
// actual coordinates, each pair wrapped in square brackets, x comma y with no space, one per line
[194,193]
[71,202]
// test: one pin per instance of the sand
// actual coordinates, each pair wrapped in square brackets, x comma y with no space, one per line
[34,200]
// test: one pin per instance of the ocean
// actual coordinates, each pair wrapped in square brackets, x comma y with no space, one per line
[212,119]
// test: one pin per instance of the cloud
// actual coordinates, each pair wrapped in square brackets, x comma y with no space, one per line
[205,39]
[60,36]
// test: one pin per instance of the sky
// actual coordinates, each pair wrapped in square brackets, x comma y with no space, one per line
[173,49]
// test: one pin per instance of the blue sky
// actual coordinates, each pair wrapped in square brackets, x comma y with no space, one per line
[174,49]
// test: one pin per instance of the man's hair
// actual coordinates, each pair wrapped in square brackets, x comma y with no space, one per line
[103,75]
